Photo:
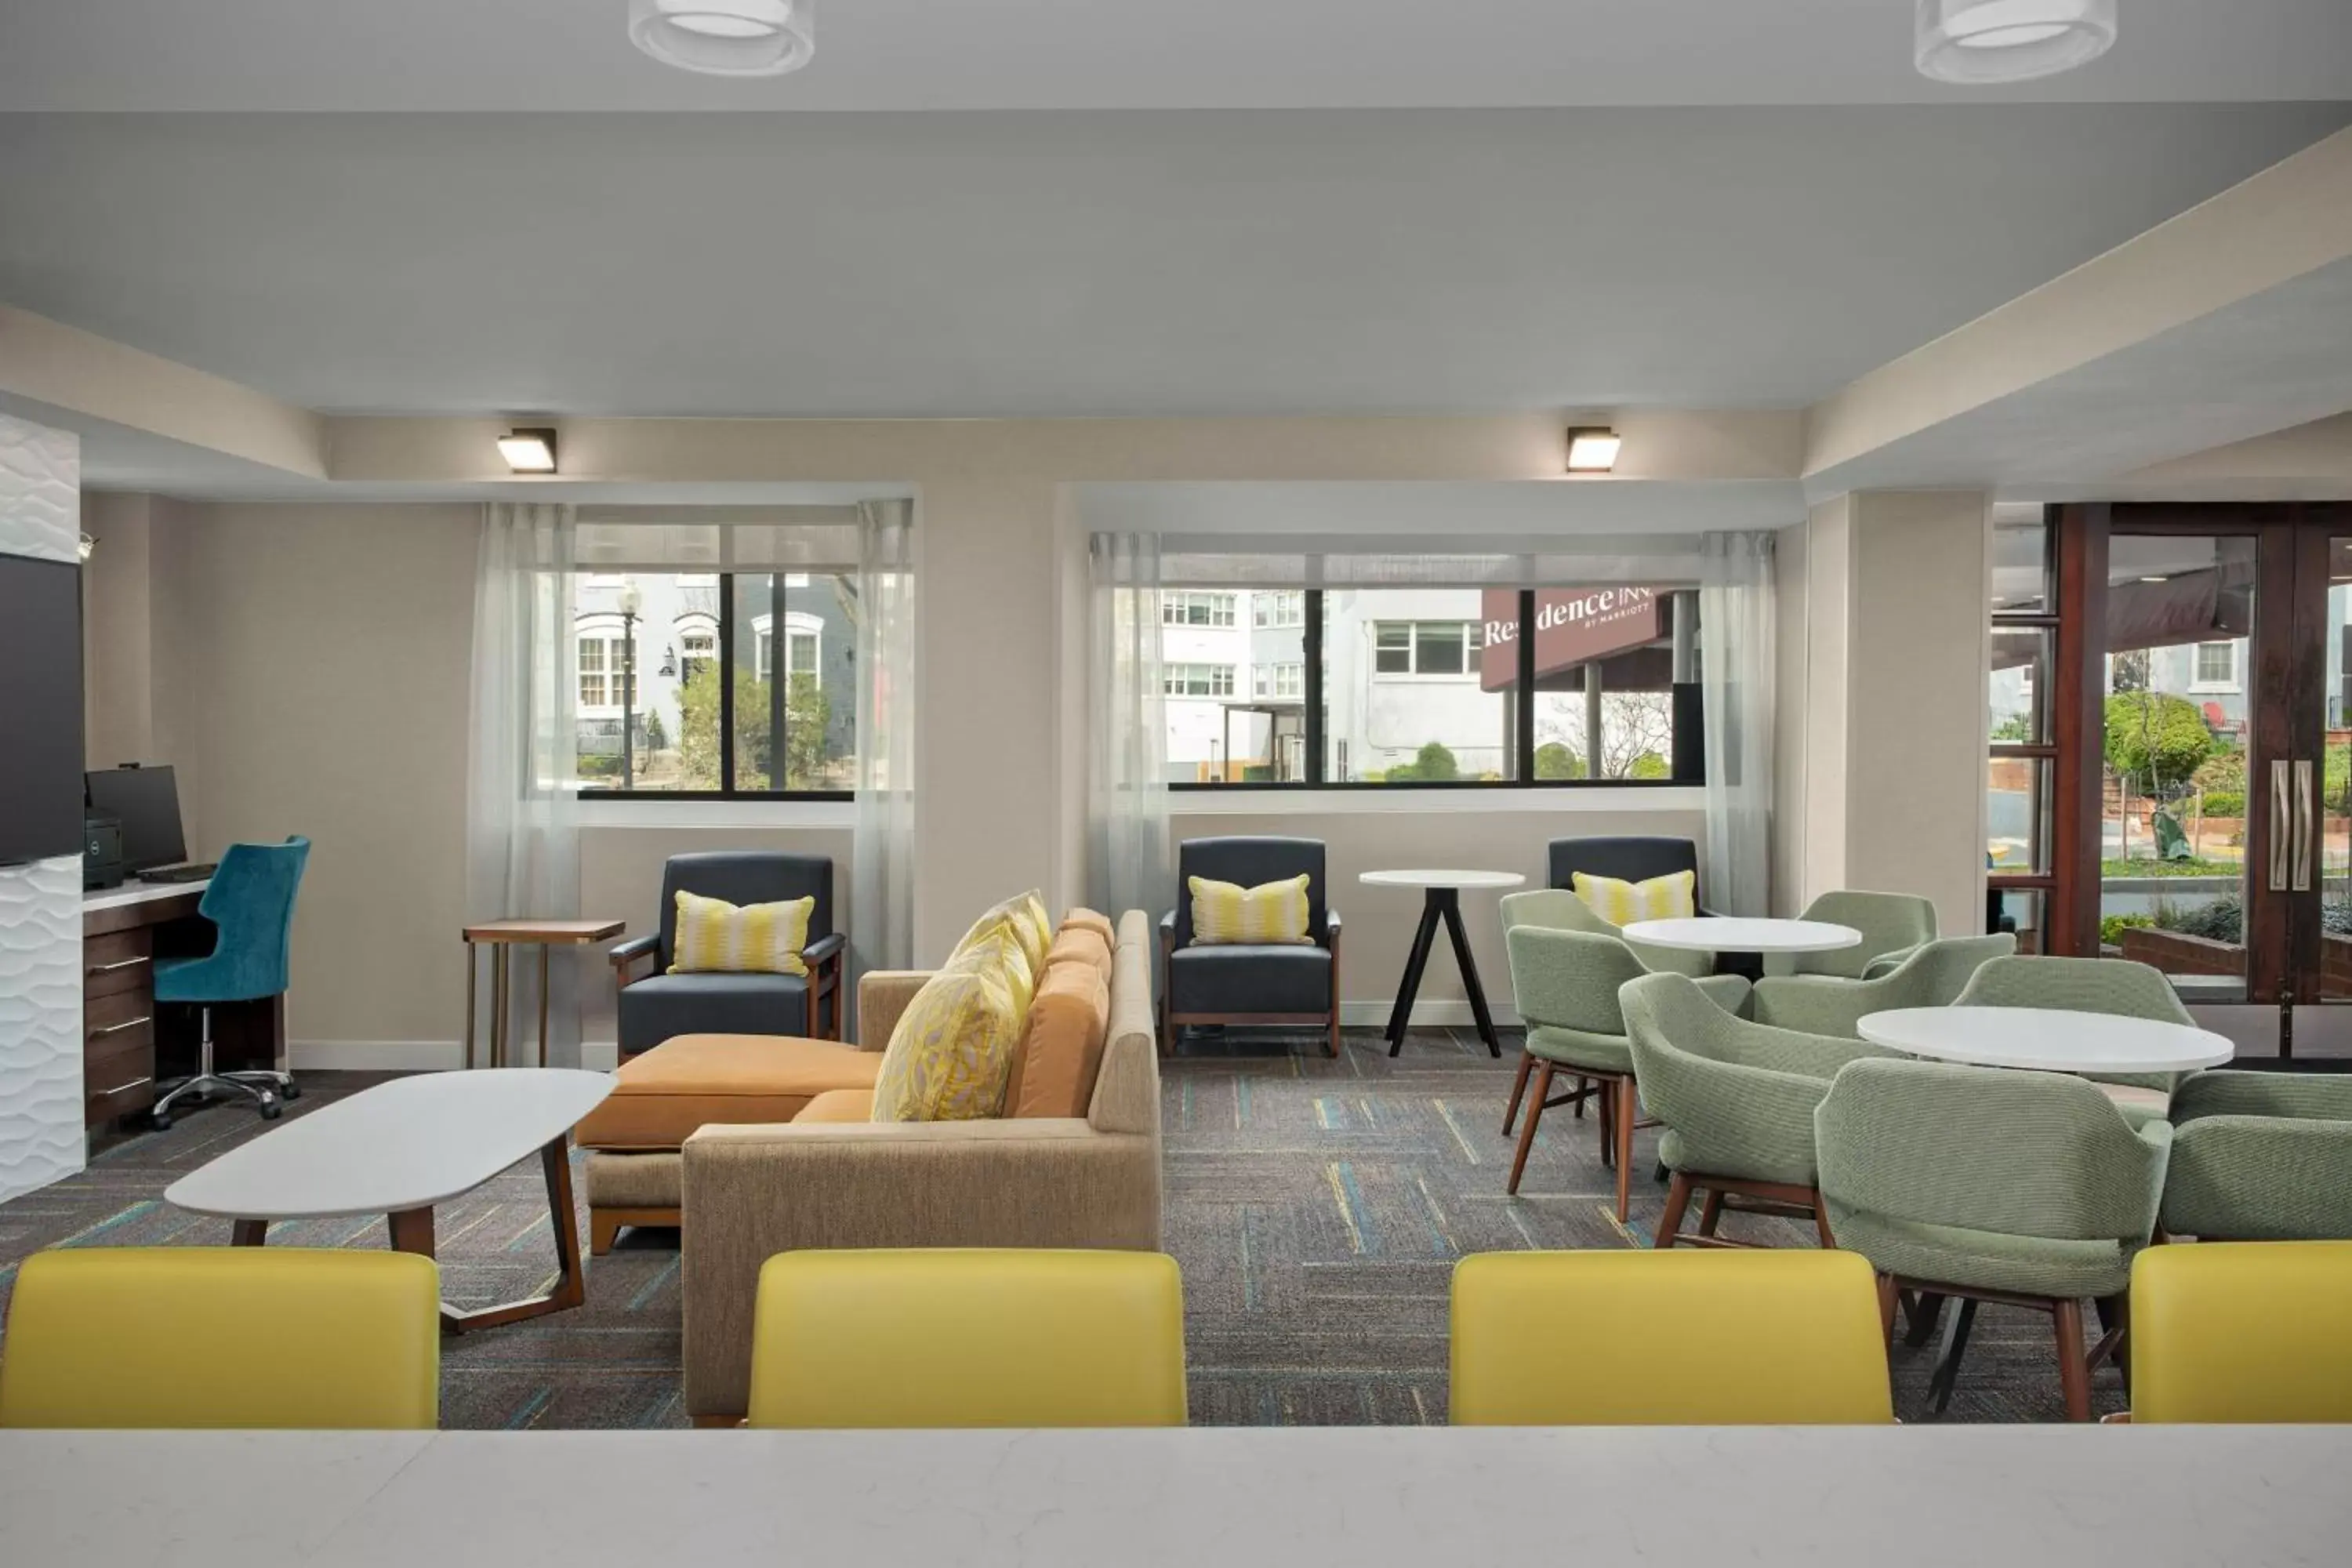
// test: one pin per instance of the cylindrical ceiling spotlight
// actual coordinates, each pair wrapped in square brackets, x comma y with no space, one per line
[726,37]
[1974,42]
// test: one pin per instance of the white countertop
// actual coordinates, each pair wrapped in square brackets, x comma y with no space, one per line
[405,1144]
[1740,933]
[1433,879]
[138,893]
[2048,1039]
[1930,1497]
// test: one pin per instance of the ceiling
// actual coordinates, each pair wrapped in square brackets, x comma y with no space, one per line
[881,55]
[1083,264]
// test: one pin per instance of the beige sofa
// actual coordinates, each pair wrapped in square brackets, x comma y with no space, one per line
[750,1192]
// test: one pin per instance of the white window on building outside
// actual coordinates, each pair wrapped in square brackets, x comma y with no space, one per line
[1196,609]
[1198,681]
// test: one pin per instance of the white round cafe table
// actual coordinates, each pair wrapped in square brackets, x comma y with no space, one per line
[2048,1039]
[1738,933]
[1441,902]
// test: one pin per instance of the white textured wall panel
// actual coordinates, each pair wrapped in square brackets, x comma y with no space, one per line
[40,1025]
[40,905]
[40,490]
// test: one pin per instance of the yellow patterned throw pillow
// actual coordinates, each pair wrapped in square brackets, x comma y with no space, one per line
[951,1052]
[1622,903]
[715,936]
[1024,917]
[1272,913]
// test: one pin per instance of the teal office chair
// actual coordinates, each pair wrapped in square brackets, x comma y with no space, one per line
[251,903]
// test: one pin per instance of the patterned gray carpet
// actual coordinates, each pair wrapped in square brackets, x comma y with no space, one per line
[1315,1207]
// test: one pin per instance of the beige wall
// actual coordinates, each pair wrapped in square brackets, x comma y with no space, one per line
[118,688]
[1378,923]
[310,670]
[1792,633]
[1887,722]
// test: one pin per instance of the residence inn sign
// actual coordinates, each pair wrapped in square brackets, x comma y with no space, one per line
[1573,627]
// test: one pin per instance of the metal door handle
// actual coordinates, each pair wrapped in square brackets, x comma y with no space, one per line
[2280,828]
[126,1024]
[2303,826]
[121,964]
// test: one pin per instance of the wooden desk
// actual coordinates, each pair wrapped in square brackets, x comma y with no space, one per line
[127,1042]
[502,937]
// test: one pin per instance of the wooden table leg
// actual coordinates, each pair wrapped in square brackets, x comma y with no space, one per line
[570,1287]
[471,952]
[248,1232]
[543,1003]
[499,981]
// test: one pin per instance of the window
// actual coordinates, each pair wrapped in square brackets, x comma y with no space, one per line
[1283,607]
[1199,681]
[2216,669]
[1196,609]
[1426,647]
[1388,687]
[699,710]
[1279,682]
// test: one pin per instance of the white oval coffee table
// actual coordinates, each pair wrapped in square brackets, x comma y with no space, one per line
[1742,933]
[2046,1040]
[1441,902]
[397,1149]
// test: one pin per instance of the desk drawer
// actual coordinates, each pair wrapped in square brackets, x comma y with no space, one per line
[118,961]
[117,1022]
[116,1081]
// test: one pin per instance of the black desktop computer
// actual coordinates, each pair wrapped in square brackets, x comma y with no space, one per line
[146,802]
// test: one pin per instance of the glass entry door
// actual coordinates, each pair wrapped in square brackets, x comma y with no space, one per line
[2316,785]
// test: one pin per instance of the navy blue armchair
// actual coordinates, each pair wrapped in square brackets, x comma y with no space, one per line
[1243,982]
[655,1006]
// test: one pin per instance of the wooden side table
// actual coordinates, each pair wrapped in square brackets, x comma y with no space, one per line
[502,936]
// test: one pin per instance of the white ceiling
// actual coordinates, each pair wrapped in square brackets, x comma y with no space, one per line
[1115,54]
[1326,262]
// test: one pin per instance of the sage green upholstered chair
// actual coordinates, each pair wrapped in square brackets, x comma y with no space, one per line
[1934,975]
[2261,1156]
[1561,910]
[1892,925]
[1737,1100]
[2115,985]
[2026,1188]
[1565,983]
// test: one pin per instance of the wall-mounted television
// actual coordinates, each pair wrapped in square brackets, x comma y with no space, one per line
[40,710]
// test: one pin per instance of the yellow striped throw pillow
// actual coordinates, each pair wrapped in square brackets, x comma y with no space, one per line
[1622,903]
[717,937]
[1224,912]
[950,1053]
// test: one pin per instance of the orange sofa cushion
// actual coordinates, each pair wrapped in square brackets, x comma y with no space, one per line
[1078,945]
[839,1105]
[1061,1044]
[1093,920]
[659,1098]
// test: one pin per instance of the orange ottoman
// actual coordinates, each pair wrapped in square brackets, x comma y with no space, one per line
[661,1096]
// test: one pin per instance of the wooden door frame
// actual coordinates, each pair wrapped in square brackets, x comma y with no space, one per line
[2285,717]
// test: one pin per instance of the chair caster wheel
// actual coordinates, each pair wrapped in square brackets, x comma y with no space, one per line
[161,1121]
[270,1109]
[291,1091]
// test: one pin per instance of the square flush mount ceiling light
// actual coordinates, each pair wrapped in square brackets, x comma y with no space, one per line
[1591,449]
[529,451]
[726,37]
[1973,42]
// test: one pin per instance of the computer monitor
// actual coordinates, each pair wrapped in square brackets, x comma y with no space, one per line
[147,802]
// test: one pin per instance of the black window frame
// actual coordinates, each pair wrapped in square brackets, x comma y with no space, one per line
[777,719]
[1523,695]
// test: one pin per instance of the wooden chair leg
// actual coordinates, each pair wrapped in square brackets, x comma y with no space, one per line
[1710,1213]
[1583,1089]
[1519,1090]
[1333,1047]
[602,1231]
[1821,1223]
[1887,1294]
[2074,1370]
[1628,1112]
[1527,1130]
[1670,1224]
[1605,1106]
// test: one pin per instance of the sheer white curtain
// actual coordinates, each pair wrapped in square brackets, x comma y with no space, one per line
[1736,674]
[1126,784]
[523,837]
[882,876]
